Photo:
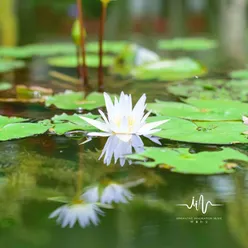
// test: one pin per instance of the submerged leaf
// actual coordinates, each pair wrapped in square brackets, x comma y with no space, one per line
[181,161]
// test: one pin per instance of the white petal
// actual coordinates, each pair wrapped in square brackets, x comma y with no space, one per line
[98,124]
[103,116]
[149,126]
[108,102]
[245,120]
[96,134]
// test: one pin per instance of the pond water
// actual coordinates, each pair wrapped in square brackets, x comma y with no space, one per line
[36,171]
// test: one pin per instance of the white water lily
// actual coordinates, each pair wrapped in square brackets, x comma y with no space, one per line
[117,148]
[123,120]
[84,213]
[112,193]
[245,120]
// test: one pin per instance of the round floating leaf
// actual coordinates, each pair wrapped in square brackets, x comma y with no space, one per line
[187,44]
[71,61]
[239,74]
[65,123]
[108,46]
[208,110]
[16,128]
[5,86]
[222,133]
[169,70]
[7,66]
[211,89]
[181,161]
[37,50]
[70,100]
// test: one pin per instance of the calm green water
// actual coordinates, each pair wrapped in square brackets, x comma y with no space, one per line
[34,169]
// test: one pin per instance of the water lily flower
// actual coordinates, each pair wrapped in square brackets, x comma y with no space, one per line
[245,120]
[117,148]
[123,120]
[83,212]
[112,193]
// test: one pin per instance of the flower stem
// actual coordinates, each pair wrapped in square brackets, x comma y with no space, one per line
[101,36]
[82,45]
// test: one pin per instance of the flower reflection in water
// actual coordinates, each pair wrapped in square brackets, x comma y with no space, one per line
[112,193]
[84,212]
[118,148]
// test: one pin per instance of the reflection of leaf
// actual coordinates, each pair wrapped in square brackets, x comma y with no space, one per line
[202,132]
[70,100]
[209,110]
[169,70]
[181,161]
[71,61]
[14,128]
[187,44]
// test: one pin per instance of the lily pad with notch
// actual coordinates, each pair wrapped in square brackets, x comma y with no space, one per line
[181,161]
[65,123]
[202,132]
[113,47]
[16,128]
[204,110]
[211,89]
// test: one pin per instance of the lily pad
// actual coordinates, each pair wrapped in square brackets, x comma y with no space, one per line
[108,46]
[5,86]
[65,123]
[211,89]
[71,100]
[16,128]
[31,50]
[204,132]
[208,110]
[169,70]
[71,61]
[239,74]
[187,44]
[181,161]
[8,66]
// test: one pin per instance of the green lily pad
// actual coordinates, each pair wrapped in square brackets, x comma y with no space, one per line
[70,100]
[181,161]
[239,74]
[31,50]
[108,46]
[65,123]
[169,70]
[8,66]
[211,89]
[187,44]
[208,110]
[5,86]
[16,128]
[71,61]
[204,132]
